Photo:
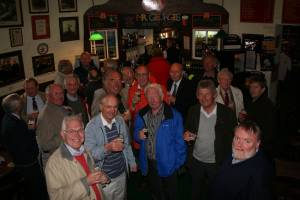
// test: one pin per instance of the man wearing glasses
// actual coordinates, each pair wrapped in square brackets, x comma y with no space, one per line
[136,95]
[70,171]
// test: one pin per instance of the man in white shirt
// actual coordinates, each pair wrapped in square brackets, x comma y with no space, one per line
[33,99]
[108,141]
[181,90]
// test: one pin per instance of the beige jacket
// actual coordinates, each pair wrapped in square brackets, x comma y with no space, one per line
[66,179]
[237,97]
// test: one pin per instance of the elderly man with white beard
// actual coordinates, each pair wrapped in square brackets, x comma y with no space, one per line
[247,173]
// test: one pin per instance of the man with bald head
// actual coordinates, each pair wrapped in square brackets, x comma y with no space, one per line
[108,141]
[209,69]
[86,63]
[49,121]
[181,91]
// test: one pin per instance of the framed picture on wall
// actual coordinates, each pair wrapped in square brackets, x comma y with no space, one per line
[16,37]
[38,6]
[11,68]
[69,28]
[11,13]
[67,5]
[40,27]
[43,64]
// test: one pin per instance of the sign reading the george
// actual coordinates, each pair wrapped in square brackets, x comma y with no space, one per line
[150,20]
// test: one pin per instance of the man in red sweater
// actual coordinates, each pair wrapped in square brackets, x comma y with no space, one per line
[159,67]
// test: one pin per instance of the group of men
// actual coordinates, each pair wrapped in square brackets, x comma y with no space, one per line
[86,151]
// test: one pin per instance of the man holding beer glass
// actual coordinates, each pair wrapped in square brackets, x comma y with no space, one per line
[159,131]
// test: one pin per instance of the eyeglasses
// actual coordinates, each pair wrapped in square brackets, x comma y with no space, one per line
[73,131]
[141,75]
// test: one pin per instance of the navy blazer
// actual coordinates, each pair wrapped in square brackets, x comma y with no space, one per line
[19,141]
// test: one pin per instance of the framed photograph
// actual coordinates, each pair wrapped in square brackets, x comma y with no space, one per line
[16,37]
[11,13]
[43,64]
[11,68]
[69,28]
[40,27]
[38,6]
[67,5]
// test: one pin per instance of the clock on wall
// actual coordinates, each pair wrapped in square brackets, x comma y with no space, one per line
[42,48]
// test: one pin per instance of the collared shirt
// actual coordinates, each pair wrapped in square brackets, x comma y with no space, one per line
[177,85]
[17,116]
[40,103]
[208,115]
[153,122]
[75,152]
[106,123]
[72,98]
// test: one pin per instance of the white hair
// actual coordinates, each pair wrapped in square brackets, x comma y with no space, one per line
[12,103]
[225,71]
[70,118]
[154,86]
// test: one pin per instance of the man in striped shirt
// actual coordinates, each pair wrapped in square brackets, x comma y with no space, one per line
[107,139]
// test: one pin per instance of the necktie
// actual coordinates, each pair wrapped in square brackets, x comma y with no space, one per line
[174,90]
[226,99]
[81,159]
[34,104]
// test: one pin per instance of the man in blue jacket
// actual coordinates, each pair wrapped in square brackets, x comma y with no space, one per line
[159,131]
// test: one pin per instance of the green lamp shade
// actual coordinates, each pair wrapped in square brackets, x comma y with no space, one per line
[96,36]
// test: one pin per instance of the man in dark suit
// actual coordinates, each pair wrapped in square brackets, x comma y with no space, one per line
[182,92]
[20,142]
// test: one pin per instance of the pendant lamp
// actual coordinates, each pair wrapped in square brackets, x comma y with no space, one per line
[95,36]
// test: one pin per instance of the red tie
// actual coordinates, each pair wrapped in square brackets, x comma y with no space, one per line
[226,99]
[83,163]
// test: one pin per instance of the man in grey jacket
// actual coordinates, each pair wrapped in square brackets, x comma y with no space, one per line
[49,122]
[107,140]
